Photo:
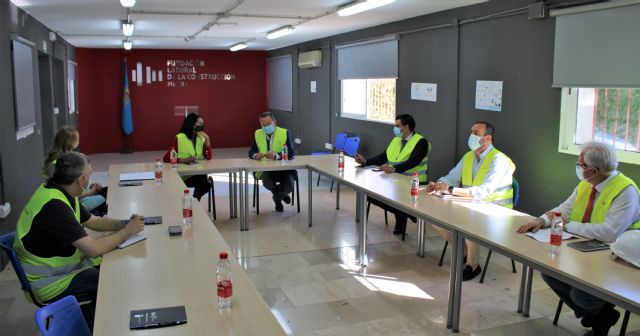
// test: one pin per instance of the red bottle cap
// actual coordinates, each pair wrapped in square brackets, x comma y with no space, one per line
[157,159]
[186,191]
[224,255]
[557,214]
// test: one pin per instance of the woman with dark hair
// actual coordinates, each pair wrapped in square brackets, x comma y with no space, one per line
[192,144]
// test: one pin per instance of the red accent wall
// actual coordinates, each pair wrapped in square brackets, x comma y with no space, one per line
[229,107]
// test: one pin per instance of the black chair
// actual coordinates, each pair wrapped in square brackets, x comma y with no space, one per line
[256,198]
[6,243]
[516,198]
[623,327]
[212,195]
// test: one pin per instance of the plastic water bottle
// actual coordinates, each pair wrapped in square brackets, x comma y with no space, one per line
[158,172]
[556,233]
[174,158]
[187,210]
[415,186]
[225,284]
[284,155]
[341,162]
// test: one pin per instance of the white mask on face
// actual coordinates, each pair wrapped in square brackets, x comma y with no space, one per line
[474,142]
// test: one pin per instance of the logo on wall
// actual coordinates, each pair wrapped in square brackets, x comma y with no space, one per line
[179,73]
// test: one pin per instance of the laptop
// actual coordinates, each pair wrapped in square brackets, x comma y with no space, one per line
[157,318]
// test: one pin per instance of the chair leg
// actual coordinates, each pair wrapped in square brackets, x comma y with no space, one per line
[318,183]
[386,221]
[513,266]
[212,197]
[331,189]
[298,194]
[486,265]
[558,311]
[368,208]
[256,197]
[625,320]
[444,250]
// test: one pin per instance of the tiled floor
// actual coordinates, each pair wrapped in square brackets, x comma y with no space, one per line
[309,279]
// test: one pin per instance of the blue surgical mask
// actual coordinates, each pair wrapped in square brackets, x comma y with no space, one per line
[580,174]
[474,142]
[397,132]
[268,130]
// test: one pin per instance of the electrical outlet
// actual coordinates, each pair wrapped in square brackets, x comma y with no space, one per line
[5,209]
[328,146]
[297,141]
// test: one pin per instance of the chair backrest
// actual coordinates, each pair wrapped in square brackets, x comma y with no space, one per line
[62,317]
[351,146]
[6,243]
[516,192]
[341,138]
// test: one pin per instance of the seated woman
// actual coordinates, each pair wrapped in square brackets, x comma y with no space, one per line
[192,144]
[68,139]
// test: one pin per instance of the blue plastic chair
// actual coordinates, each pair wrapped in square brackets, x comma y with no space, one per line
[62,317]
[6,243]
[351,146]
[339,145]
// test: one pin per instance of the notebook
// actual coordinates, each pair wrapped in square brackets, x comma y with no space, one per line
[157,317]
[544,235]
[137,176]
[589,245]
[132,240]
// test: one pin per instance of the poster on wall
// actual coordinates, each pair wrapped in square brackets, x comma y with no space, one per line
[424,91]
[489,95]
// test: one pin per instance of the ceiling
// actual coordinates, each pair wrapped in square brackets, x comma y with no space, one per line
[166,23]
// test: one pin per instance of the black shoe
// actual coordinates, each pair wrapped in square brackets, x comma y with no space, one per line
[279,207]
[587,320]
[287,199]
[468,273]
[604,321]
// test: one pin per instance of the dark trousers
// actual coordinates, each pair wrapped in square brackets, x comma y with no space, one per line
[280,183]
[200,183]
[401,217]
[581,302]
[84,287]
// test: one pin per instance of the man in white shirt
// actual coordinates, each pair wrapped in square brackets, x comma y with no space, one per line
[484,173]
[603,206]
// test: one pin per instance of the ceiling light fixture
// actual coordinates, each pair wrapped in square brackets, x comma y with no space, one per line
[361,6]
[128,3]
[238,46]
[282,31]
[127,44]
[127,28]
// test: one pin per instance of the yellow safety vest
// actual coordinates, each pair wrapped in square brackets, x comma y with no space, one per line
[601,207]
[503,195]
[185,147]
[48,276]
[279,140]
[398,154]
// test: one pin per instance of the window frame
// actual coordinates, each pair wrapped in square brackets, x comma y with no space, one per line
[364,117]
[568,122]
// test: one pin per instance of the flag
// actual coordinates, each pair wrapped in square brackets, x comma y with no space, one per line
[127,118]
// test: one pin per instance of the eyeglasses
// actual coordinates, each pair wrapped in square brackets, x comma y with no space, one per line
[581,165]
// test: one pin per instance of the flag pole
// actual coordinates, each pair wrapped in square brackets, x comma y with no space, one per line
[127,118]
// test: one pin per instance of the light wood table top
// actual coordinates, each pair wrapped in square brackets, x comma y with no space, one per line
[167,271]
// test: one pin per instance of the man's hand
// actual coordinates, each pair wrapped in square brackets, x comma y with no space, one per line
[388,168]
[360,159]
[532,226]
[258,156]
[270,156]
[135,225]
[437,186]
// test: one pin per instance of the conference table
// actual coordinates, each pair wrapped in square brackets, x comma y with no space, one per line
[164,271]
[487,224]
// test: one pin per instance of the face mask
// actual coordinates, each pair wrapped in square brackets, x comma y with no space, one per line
[87,188]
[397,132]
[268,130]
[474,142]
[199,128]
[580,174]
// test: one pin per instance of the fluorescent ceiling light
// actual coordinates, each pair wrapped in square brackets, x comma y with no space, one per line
[238,46]
[127,28]
[282,31]
[361,6]
[127,44]
[128,3]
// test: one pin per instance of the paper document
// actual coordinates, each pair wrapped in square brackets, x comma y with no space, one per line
[132,240]
[137,176]
[544,235]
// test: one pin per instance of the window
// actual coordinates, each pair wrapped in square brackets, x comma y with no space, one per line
[609,115]
[369,99]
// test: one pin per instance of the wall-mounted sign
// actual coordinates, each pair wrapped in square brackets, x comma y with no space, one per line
[489,95]
[179,73]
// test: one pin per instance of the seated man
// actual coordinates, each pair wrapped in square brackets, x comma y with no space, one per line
[603,206]
[267,145]
[484,173]
[407,153]
[52,244]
